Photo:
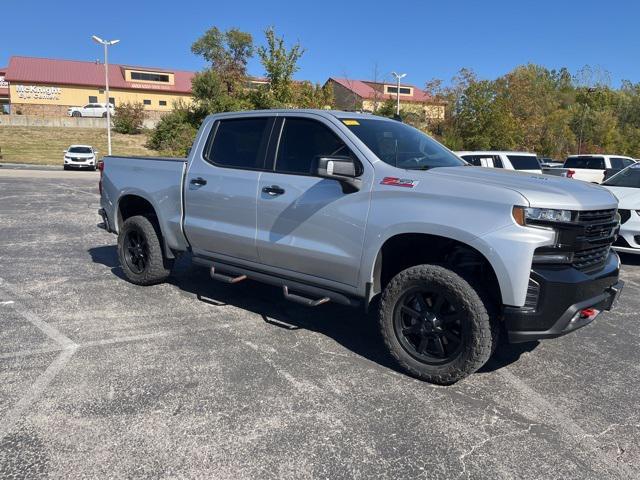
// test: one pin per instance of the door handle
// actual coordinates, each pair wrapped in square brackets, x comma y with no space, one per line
[273,190]
[198,181]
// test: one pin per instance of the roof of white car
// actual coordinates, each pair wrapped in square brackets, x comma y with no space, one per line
[74,146]
[494,152]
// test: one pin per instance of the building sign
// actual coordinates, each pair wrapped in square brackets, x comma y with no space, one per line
[148,86]
[35,91]
[3,82]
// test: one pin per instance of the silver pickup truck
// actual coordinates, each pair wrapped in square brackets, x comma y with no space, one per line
[365,211]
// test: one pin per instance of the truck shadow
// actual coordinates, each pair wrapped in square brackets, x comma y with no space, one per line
[352,328]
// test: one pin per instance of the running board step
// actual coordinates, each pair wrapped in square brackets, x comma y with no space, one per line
[221,277]
[307,302]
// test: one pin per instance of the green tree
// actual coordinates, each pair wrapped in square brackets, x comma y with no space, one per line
[128,118]
[280,64]
[228,53]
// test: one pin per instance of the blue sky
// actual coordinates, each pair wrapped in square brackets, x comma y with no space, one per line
[425,39]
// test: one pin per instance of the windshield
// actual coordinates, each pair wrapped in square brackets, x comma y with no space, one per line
[402,146]
[629,177]
[80,150]
[524,162]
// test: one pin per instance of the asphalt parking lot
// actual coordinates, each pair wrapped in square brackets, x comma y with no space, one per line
[100,378]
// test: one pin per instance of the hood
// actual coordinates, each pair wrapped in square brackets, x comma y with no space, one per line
[628,197]
[543,191]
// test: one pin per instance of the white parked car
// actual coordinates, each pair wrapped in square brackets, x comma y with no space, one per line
[80,156]
[91,110]
[626,186]
[522,161]
[592,168]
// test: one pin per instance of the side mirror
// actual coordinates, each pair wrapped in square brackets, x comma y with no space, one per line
[346,170]
[65,151]
[96,151]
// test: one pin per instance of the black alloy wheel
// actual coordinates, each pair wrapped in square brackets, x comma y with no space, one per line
[428,326]
[137,251]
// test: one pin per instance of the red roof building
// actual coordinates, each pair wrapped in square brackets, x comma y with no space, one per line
[45,86]
[369,96]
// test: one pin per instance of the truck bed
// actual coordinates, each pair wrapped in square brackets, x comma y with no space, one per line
[159,180]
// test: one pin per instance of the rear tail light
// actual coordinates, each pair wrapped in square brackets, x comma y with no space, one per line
[101,169]
[570,173]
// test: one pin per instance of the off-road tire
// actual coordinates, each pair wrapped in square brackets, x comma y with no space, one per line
[482,329]
[157,267]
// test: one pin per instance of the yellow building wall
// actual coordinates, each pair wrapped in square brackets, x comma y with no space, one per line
[66,95]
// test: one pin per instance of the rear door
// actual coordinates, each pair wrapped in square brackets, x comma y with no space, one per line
[221,188]
[306,224]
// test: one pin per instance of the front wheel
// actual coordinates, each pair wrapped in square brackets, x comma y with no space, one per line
[76,114]
[435,325]
[140,252]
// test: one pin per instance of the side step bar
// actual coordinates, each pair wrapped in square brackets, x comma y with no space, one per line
[221,277]
[316,295]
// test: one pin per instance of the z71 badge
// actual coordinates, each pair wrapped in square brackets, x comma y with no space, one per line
[399,182]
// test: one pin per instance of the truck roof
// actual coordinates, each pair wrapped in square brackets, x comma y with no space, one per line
[317,111]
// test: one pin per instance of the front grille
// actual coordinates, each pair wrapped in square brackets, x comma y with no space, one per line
[624,215]
[592,259]
[596,215]
[593,244]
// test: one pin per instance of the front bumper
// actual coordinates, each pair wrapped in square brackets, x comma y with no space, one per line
[629,235]
[562,294]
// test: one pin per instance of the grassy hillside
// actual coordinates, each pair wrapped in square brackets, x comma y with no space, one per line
[44,145]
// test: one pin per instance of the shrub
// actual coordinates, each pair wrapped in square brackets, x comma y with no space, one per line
[128,118]
[174,133]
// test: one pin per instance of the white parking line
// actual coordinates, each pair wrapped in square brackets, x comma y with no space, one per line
[8,302]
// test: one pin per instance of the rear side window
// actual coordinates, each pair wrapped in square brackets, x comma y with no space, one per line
[524,162]
[497,161]
[239,143]
[302,141]
[590,163]
[620,163]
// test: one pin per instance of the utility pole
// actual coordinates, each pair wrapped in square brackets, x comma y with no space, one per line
[398,77]
[106,44]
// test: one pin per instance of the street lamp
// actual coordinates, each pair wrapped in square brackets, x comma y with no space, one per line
[398,77]
[106,43]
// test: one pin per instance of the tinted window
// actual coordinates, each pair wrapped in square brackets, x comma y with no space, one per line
[497,161]
[302,141]
[163,103]
[473,159]
[239,143]
[400,145]
[93,98]
[524,162]
[80,150]
[591,163]
[146,101]
[629,177]
[150,77]
[617,162]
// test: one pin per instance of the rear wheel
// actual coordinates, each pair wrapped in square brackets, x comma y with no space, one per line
[140,252]
[104,115]
[435,324]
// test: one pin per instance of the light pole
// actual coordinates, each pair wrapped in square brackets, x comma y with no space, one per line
[106,44]
[398,77]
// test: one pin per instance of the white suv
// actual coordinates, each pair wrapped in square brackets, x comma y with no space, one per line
[90,110]
[80,156]
[522,161]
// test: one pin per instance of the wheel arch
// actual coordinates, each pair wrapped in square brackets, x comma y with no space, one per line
[402,250]
[133,203]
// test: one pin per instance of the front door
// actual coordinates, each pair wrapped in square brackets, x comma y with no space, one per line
[307,224]
[221,188]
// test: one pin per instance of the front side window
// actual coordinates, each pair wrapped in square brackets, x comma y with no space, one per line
[629,177]
[524,162]
[589,163]
[302,142]
[239,143]
[402,146]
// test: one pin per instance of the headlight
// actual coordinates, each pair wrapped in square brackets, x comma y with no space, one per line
[528,215]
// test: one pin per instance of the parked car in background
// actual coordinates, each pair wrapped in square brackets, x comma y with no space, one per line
[80,156]
[625,185]
[95,110]
[594,168]
[351,208]
[522,161]
[549,163]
